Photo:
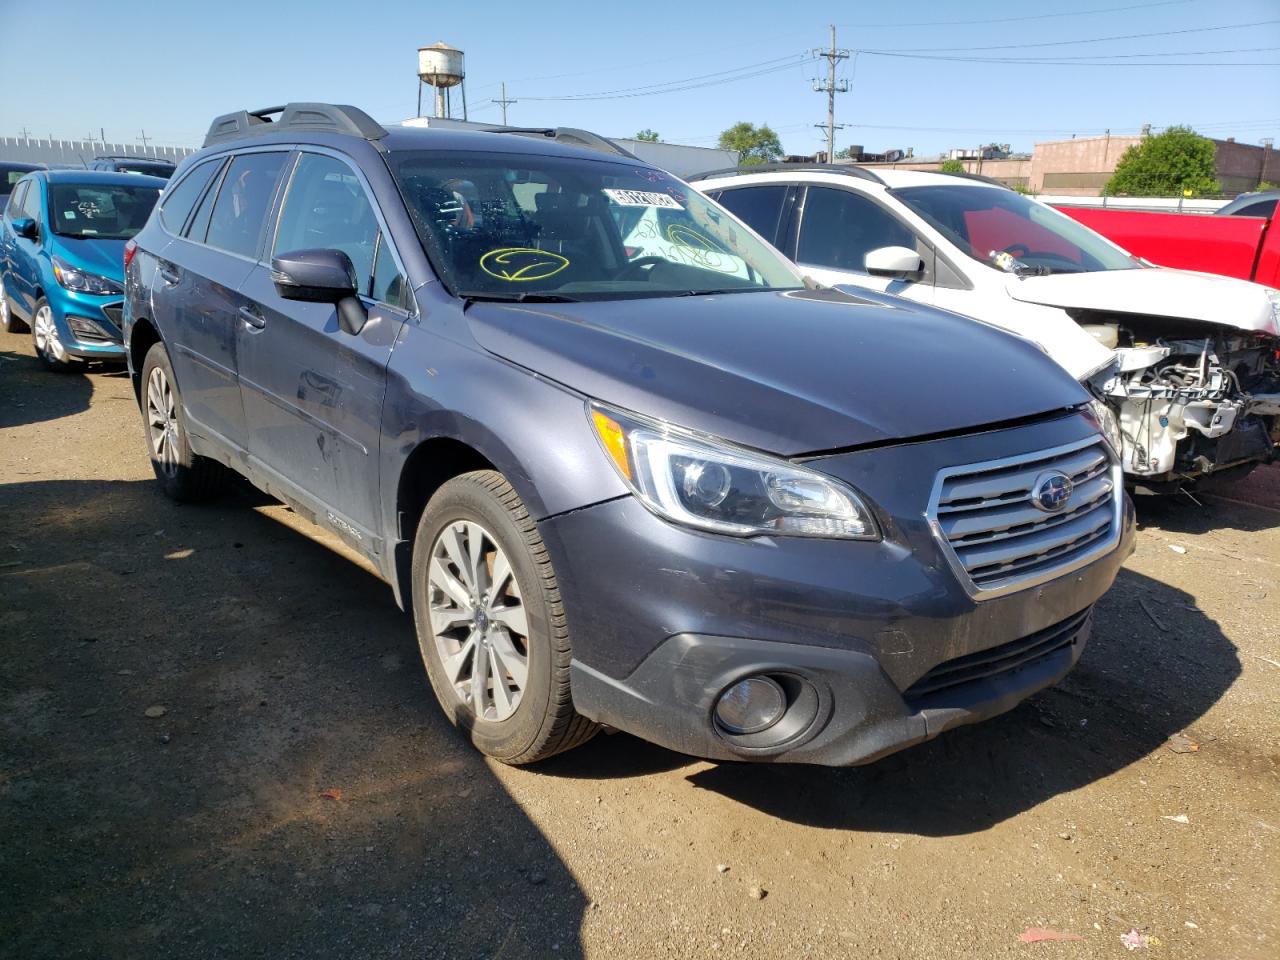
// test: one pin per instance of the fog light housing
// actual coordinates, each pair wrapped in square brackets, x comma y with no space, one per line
[82,328]
[750,706]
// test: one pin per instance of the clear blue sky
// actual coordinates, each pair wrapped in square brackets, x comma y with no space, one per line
[169,67]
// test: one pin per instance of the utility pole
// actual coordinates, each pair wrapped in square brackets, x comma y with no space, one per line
[831,87]
[26,136]
[144,138]
[504,102]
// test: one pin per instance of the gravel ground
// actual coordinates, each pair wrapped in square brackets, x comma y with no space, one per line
[216,740]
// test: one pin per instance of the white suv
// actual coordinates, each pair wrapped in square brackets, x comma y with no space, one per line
[1186,362]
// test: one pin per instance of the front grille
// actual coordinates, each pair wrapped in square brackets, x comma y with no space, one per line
[1005,658]
[999,540]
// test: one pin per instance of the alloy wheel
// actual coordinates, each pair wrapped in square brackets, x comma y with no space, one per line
[478,620]
[162,421]
[48,343]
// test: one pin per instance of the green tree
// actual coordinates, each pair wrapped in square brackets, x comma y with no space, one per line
[1178,162]
[844,153]
[952,166]
[754,144]
[649,135]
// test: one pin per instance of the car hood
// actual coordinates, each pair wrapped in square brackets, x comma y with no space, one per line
[789,372]
[103,257]
[1155,292]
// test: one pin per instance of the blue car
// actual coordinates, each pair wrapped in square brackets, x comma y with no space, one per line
[62,260]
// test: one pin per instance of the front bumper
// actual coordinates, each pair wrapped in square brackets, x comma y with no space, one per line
[105,315]
[663,618]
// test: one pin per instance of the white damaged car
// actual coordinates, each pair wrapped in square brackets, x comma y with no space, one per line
[1186,366]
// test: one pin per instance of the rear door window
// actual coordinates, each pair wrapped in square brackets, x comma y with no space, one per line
[244,198]
[1263,208]
[759,207]
[179,199]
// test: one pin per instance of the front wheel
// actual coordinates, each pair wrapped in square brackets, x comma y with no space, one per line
[47,341]
[183,474]
[491,627]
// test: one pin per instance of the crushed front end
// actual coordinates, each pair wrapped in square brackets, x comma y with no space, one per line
[1193,400]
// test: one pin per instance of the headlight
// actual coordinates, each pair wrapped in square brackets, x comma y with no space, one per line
[1109,424]
[82,282]
[712,485]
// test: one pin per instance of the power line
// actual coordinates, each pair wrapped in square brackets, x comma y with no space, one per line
[1065,43]
[1038,16]
[1060,62]
[671,86]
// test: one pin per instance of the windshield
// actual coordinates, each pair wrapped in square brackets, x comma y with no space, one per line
[1010,232]
[514,226]
[100,211]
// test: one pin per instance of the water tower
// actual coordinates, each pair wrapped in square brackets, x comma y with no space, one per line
[440,66]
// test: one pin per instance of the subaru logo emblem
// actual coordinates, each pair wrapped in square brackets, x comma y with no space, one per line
[1051,491]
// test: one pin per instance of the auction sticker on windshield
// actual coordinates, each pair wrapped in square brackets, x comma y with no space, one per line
[642,198]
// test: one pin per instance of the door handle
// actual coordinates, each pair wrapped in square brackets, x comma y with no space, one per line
[168,273]
[252,318]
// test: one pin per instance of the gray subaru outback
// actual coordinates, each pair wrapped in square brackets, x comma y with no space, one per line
[623,464]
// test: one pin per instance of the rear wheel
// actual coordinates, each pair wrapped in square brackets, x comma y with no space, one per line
[183,475]
[490,623]
[9,321]
[47,341]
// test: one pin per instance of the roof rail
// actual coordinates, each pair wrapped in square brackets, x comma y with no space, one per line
[976,176]
[303,117]
[847,169]
[582,138]
[133,156]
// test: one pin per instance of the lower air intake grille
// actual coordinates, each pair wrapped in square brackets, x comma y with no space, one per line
[1016,522]
[1005,658]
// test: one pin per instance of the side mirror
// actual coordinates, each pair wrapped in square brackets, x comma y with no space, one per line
[321,276]
[900,263]
[26,227]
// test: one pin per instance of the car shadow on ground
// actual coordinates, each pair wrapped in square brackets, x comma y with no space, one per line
[24,397]
[1135,687]
[216,739]
[1248,505]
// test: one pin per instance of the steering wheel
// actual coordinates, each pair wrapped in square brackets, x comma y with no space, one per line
[635,265]
[1013,248]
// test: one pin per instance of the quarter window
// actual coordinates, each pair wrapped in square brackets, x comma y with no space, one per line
[759,207]
[841,227]
[1263,208]
[388,284]
[179,199]
[243,200]
[326,208]
[31,201]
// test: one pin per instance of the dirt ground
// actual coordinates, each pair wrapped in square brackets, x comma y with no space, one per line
[300,794]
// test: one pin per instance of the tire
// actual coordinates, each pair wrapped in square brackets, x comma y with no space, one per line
[479,515]
[48,342]
[183,475]
[9,322]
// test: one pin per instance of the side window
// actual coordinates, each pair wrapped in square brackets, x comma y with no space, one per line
[31,201]
[326,207]
[759,207]
[179,199]
[15,201]
[199,225]
[388,284]
[1263,208]
[841,227]
[241,208]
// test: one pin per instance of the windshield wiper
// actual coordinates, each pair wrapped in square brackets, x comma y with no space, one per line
[470,297]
